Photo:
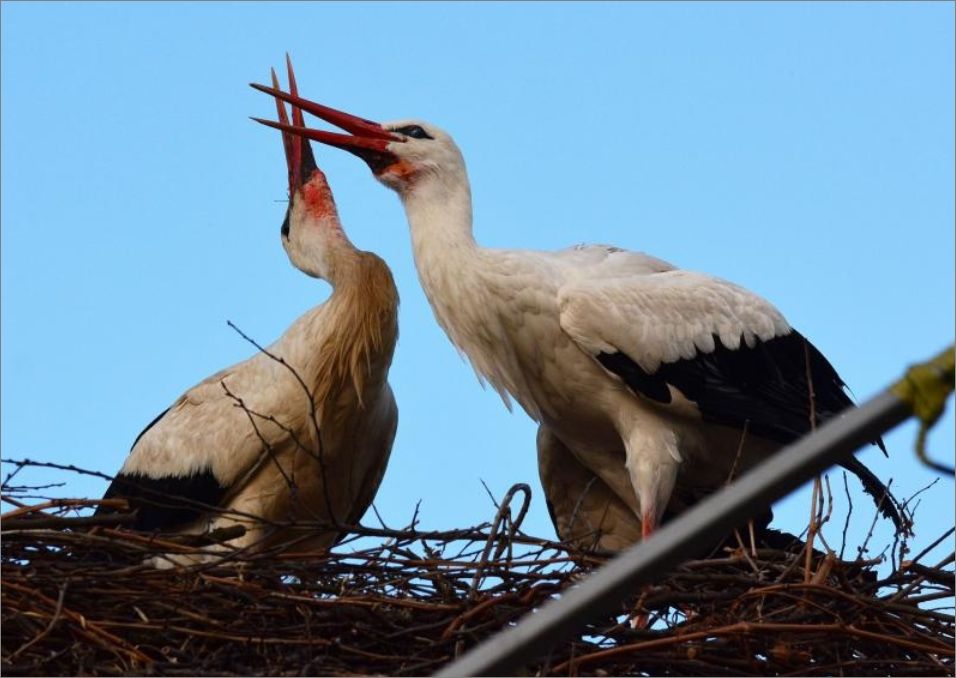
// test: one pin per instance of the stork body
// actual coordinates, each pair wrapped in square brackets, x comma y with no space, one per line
[652,377]
[301,431]
[210,449]
[518,316]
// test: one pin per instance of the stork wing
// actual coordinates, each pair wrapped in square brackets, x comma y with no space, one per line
[199,450]
[380,428]
[724,348]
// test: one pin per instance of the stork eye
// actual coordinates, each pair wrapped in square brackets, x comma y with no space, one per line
[414,131]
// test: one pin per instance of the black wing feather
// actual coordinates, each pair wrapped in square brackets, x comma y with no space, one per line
[168,502]
[764,386]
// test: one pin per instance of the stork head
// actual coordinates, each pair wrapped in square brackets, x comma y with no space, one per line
[406,155]
[311,228]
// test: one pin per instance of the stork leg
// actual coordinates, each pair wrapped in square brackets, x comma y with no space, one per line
[648,524]
[639,620]
[586,512]
[652,460]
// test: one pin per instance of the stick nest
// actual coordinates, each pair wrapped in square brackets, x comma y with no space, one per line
[77,599]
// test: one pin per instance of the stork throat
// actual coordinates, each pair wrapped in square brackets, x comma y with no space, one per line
[317,197]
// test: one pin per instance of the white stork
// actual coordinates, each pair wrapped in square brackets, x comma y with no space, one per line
[655,378]
[314,430]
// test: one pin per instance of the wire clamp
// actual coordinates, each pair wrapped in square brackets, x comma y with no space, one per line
[925,388]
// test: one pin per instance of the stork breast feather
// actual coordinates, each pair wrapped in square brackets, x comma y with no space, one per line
[664,317]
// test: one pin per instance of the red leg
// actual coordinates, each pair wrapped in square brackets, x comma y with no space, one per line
[648,524]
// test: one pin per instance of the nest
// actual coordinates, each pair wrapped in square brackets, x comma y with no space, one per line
[77,599]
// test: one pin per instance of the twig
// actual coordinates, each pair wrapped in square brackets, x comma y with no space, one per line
[49,627]
[14,524]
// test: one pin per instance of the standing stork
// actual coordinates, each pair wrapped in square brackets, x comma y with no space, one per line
[653,377]
[301,431]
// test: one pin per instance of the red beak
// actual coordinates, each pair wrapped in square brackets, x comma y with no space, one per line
[367,139]
[298,151]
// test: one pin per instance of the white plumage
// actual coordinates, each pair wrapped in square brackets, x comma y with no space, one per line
[652,377]
[301,432]
[661,316]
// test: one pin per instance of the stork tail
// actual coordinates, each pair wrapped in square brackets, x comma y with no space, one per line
[885,501]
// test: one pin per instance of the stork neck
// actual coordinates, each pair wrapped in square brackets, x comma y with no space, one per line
[343,262]
[440,219]
[317,245]
[351,337]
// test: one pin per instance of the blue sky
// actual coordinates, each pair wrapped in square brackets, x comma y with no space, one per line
[805,151]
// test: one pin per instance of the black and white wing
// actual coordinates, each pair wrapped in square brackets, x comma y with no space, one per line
[727,350]
[724,348]
[197,451]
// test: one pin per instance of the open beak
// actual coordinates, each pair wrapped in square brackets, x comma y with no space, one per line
[366,139]
[298,151]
